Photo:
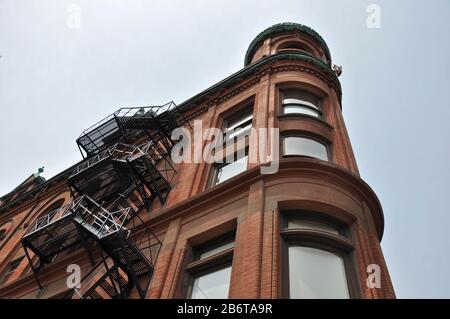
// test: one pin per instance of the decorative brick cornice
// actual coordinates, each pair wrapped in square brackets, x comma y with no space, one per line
[196,112]
[298,166]
[250,76]
[239,89]
[297,68]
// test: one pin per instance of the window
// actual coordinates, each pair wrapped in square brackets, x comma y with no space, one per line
[5,228]
[213,285]
[226,171]
[211,269]
[239,124]
[316,265]
[294,46]
[2,234]
[316,274]
[10,269]
[305,146]
[300,102]
[306,223]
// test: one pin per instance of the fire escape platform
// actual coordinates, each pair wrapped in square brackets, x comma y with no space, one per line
[117,168]
[54,232]
[123,123]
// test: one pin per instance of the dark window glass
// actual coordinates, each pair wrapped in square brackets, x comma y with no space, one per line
[10,269]
[2,234]
[294,46]
[299,223]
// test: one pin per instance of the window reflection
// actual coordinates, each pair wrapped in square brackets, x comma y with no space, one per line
[229,170]
[300,102]
[315,273]
[214,285]
[297,145]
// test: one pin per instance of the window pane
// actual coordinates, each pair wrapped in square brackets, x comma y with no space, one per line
[212,285]
[239,121]
[232,169]
[315,273]
[311,224]
[10,269]
[298,109]
[301,97]
[239,124]
[216,249]
[305,146]
[239,130]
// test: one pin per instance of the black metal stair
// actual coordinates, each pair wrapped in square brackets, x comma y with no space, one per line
[126,257]
[111,186]
[111,285]
[152,177]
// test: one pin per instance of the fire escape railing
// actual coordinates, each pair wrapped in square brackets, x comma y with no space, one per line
[53,216]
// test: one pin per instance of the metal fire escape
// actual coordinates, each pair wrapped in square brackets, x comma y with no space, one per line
[127,167]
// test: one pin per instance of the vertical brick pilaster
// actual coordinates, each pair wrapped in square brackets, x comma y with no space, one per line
[247,261]
[164,259]
[260,119]
[269,276]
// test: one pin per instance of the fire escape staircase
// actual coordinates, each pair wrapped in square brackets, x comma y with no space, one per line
[118,179]
[127,261]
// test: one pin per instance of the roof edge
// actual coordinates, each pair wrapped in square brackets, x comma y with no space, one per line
[283,27]
[254,68]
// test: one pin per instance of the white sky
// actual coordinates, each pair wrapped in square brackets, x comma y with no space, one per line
[56,81]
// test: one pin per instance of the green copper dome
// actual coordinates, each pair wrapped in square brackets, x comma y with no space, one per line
[283,27]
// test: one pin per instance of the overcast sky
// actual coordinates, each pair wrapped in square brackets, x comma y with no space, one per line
[57,79]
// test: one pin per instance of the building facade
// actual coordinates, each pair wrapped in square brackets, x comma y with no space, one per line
[128,221]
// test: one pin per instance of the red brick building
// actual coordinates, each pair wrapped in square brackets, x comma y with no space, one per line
[140,225]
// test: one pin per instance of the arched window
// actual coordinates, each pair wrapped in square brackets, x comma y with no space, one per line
[294,46]
[4,229]
[53,206]
[2,234]
[42,215]
[318,260]
[305,146]
[10,269]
